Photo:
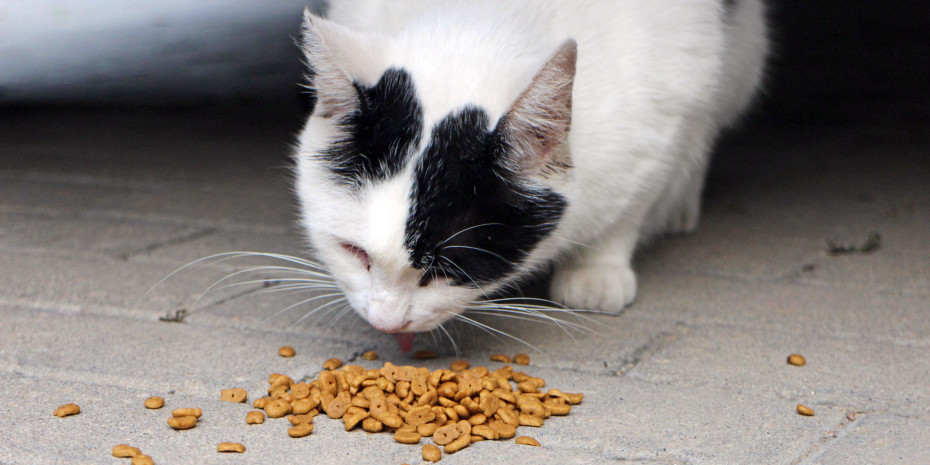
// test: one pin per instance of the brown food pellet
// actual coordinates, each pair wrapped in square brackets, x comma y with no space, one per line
[301,430]
[407,437]
[501,358]
[142,460]
[67,410]
[154,403]
[526,441]
[184,412]
[370,355]
[425,354]
[332,364]
[254,417]
[521,359]
[230,447]
[184,422]
[286,351]
[796,360]
[805,411]
[237,395]
[277,408]
[431,453]
[459,365]
[124,452]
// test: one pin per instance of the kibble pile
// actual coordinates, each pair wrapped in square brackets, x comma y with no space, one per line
[456,406]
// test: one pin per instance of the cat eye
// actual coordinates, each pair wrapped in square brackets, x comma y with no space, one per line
[358,252]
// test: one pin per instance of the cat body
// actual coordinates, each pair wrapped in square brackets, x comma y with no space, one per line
[459,147]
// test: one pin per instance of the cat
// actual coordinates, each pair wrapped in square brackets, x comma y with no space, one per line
[458,147]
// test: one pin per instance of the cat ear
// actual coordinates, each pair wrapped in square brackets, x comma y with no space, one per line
[336,56]
[537,124]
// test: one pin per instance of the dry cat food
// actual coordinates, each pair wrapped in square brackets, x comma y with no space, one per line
[254,417]
[125,452]
[424,354]
[796,360]
[230,447]
[332,364]
[233,395]
[286,351]
[184,412]
[455,407]
[521,359]
[154,403]
[370,355]
[805,411]
[67,410]
[527,441]
[501,358]
[141,460]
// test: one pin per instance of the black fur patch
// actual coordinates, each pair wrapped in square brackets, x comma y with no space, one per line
[381,134]
[472,219]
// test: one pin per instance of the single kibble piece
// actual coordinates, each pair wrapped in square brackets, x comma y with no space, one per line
[230,447]
[185,422]
[431,453]
[254,417]
[521,359]
[301,430]
[125,452]
[501,358]
[796,360]
[277,408]
[332,364]
[370,355]
[286,351]
[407,437]
[67,410]
[142,460]
[424,354]
[233,395]
[154,402]
[527,441]
[184,412]
[805,411]
[459,365]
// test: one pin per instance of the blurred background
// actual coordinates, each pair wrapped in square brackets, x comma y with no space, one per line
[834,61]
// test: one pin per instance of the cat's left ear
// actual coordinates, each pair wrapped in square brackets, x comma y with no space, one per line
[536,126]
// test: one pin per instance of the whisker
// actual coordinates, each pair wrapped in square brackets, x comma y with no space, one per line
[311,299]
[327,304]
[477,249]
[455,346]
[469,229]
[490,330]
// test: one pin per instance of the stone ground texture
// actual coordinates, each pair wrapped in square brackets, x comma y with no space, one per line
[97,207]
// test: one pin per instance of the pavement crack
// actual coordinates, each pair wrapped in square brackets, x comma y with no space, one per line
[176,240]
[657,343]
[817,449]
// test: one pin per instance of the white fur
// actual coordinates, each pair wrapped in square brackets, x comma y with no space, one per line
[655,83]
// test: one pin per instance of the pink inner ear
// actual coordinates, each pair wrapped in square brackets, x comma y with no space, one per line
[358,252]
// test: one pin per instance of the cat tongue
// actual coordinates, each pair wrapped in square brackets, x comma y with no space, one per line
[405,341]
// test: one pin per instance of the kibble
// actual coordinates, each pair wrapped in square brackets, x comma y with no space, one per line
[501,358]
[237,395]
[521,359]
[185,412]
[154,403]
[459,365]
[254,417]
[431,453]
[286,351]
[301,430]
[805,410]
[332,364]
[425,354]
[67,410]
[370,355]
[230,447]
[142,460]
[182,422]
[796,360]
[125,452]
[526,441]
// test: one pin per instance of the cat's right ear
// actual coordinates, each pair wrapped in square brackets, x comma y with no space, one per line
[336,56]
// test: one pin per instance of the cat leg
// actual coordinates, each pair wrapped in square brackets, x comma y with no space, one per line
[599,277]
[685,211]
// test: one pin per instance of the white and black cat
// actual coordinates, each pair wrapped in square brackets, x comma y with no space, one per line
[457,147]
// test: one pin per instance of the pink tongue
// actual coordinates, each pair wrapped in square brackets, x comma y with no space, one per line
[405,341]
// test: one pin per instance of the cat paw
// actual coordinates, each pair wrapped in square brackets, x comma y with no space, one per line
[604,288]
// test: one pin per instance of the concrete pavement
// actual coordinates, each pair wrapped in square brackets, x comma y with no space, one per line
[97,206]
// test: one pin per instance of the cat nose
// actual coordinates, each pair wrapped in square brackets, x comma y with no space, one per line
[392,330]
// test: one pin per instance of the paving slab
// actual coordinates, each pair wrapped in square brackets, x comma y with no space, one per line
[885,439]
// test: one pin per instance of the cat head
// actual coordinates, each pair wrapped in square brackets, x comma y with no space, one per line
[417,212]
